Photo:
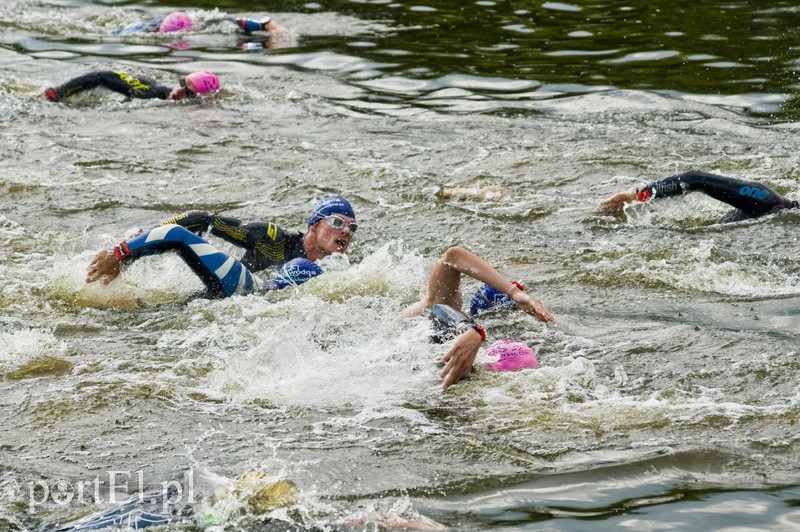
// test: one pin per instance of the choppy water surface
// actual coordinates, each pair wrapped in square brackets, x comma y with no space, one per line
[668,396]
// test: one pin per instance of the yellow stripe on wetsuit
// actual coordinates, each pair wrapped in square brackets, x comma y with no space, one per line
[132,82]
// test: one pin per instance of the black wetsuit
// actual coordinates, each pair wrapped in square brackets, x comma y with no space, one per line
[114,80]
[750,198]
[267,244]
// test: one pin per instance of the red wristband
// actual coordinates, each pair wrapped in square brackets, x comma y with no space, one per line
[122,251]
[518,285]
[477,326]
[644,194]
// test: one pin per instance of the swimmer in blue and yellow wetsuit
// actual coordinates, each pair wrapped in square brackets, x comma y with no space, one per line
[330,230]
[750,199]
[136,87]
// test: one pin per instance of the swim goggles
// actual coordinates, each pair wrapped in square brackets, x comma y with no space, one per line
[337,222]
[189,92]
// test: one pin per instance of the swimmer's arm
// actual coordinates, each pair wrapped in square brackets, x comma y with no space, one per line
[107,264]
[616,203]
[195,221]
[466,262]
[105,267]
[671,186]
[469,335]
[239,233]
[104,78]
[460,357]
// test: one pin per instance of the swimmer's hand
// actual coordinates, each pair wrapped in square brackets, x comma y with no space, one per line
[532,306]
[616,203]
[104,266]
[459,359]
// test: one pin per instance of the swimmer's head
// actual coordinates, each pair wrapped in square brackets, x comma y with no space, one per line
[203,81]
[512,356]
[329,206]
[294,273]
[175,21]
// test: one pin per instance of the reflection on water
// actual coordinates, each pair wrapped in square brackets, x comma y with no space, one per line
[668,393]
[494,51]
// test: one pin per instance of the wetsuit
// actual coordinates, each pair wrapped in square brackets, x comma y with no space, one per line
[267,245]
[749,198]
[449,323]
[114,80]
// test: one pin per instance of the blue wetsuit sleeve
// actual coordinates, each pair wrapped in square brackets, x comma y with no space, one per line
[751,197]
[223,275]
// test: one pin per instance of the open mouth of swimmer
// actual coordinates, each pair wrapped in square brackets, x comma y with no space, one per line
[341,242]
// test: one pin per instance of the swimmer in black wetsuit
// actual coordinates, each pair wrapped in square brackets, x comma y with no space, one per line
[750,199]
[133,87]
[330,230]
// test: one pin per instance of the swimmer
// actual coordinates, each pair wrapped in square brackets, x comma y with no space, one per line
[444,288]
[254,492]
[483,193]
[191,86]
[181,21]
[330,230]
[450,324]
[750,199]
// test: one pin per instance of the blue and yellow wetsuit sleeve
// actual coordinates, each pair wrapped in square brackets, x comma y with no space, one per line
[114,80]
[222,274]
[753,199]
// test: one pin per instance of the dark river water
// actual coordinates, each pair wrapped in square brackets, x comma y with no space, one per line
[668,397]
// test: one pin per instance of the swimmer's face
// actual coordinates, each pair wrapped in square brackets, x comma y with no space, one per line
[185,90]
[332,240]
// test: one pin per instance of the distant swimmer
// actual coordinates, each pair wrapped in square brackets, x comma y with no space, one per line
[750,199]
[191,86]
[330,230]
[179,21]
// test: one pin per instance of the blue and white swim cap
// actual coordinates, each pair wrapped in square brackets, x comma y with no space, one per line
[294,273]
[330,205]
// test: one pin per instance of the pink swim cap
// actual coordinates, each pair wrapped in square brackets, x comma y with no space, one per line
[513,356]
[203,81]
[175,21]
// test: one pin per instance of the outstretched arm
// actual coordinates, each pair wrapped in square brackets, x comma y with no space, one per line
[444,285]
[751,197]
[616,203]
[117,81]
[106,265]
